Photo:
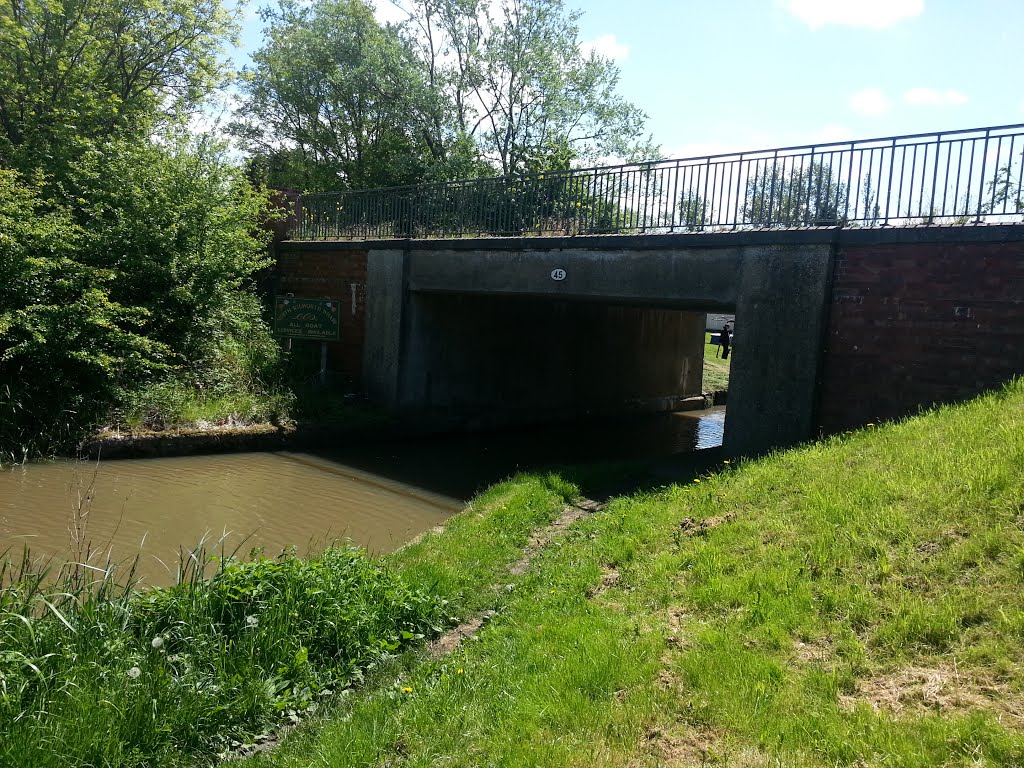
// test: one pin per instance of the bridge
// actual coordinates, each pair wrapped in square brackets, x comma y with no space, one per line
[868,279]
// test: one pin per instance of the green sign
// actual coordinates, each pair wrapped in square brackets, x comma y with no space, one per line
[307,318]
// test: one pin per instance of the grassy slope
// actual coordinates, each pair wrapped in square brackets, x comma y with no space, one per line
[862,607]
[716,370]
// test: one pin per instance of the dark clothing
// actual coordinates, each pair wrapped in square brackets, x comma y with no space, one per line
[726,339]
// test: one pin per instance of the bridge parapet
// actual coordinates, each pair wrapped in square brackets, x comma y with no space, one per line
[950,178]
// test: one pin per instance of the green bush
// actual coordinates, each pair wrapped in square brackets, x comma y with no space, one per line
[66,345]
[132,275]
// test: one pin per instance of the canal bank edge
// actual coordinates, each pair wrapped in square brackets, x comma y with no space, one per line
[196,441]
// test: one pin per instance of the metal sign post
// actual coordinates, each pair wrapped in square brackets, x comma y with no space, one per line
[317,319]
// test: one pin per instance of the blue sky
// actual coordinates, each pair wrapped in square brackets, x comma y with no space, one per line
[726,75]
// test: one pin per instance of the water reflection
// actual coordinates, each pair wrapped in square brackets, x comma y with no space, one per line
[377,495]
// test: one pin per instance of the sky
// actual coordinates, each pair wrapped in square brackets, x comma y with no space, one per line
[728,75]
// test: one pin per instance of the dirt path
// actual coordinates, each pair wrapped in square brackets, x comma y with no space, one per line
[539,539]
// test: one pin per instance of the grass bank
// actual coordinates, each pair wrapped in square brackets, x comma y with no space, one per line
[853,602]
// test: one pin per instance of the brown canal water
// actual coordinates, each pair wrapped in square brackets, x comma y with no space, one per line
[378,496]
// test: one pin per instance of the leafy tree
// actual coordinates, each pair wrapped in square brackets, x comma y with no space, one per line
[517,81]
[127,249]
[336,101]
[795,196]
[66,346]
[1004,193]
[693,212]
[178,224]
[464,88]
[73,72]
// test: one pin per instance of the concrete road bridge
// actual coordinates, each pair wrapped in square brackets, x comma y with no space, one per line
[854,301]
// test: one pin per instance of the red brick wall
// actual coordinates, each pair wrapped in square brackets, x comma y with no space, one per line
[337,274]
[916,324]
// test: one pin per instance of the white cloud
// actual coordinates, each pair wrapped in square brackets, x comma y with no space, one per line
[933,97]
[878,14]
[607,46]
[869,101]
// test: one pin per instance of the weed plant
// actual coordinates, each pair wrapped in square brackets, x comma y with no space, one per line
[96,673]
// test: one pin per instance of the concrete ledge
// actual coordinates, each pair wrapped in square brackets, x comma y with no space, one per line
[837,236]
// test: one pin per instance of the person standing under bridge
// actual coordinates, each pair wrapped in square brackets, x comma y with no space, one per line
[726,340]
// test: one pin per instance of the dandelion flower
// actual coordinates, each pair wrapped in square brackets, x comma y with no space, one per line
[407,690]
[134,673]
[458,671]
[158,642]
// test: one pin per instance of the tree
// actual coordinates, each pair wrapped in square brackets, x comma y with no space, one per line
[1004,193]
[795,196]
[335,101]
[518,82]
[77,71]
[127,247]
[179,226]
[144,271]
[66,347]
[462,89]
[693,213]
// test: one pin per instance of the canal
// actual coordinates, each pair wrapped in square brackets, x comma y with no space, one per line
[377,495]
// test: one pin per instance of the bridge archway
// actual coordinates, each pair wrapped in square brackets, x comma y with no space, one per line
[427,299]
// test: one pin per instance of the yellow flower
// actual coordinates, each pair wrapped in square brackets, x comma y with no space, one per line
[458,671]
[407,690]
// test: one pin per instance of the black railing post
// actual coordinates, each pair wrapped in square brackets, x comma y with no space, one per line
[981,181]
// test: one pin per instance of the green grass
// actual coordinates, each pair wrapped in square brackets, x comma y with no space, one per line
[854,602]
[716,370]
[95,674]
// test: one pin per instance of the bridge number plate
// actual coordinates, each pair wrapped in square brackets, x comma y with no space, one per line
[558,274]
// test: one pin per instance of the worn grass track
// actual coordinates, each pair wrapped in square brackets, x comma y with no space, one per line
[853,602]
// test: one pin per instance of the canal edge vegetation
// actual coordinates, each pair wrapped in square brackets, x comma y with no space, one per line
[853,601]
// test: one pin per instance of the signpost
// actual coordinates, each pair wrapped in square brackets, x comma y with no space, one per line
[318,319]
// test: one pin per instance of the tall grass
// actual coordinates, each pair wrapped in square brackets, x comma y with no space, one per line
[96,673]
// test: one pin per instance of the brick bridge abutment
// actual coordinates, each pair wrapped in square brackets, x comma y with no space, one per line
[835,328]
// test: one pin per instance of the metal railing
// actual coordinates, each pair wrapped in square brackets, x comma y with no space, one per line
[958,177]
